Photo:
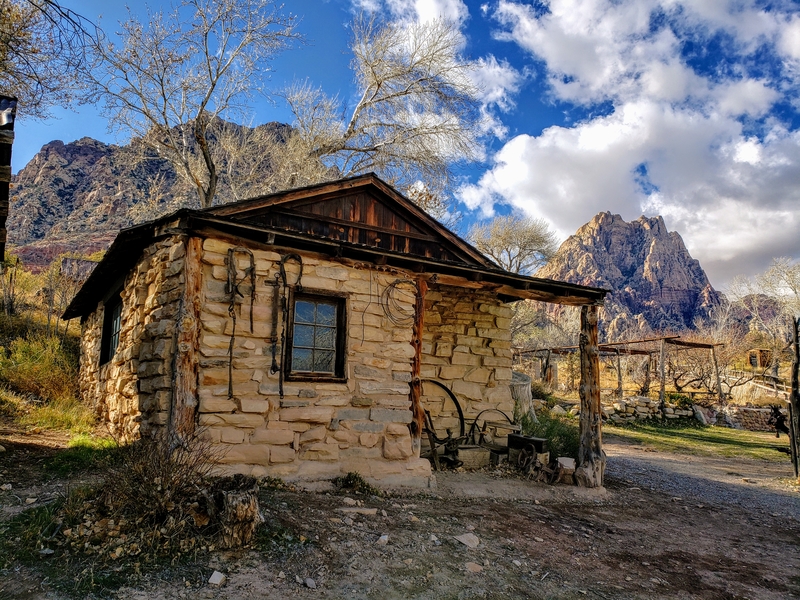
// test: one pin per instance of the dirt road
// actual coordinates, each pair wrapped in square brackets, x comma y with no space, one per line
[666,526]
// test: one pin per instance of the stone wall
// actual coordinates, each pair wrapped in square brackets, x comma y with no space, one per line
[634,408]
[317,430]
[467,347]
[132,391]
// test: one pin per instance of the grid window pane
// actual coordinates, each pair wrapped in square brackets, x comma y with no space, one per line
[314,336]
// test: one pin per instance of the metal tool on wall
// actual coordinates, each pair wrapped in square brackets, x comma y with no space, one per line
[232,290]
[283,285]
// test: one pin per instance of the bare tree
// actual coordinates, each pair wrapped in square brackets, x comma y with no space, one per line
[171,82]
[42,44]
[518,244]
[417,114]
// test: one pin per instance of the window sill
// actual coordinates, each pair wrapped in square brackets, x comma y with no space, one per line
[308,377]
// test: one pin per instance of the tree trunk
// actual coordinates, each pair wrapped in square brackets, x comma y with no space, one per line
[236,510]
[662,365]
[591,458]
[716,372]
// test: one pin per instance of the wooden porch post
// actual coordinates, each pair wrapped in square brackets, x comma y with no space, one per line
[662,365]
[716,372]
[187,333]
[417,412]
[794,399]
[591,458]
[619,376]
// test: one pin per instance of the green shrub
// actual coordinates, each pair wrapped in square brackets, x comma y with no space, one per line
[562,434]
[40,366]
[539,391]
[680,400]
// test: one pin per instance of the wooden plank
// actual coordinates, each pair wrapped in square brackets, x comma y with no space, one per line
[185,359]
[678,342]
[591,458]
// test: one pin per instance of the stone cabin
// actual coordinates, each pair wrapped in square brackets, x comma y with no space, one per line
[296,330]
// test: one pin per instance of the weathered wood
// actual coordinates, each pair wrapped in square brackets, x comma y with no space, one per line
[523,397]
[235,507]
[716,372]
[662,366]
[417,411]
[187,332]
[619,375]
[646,386]
[794,398]
[591,458]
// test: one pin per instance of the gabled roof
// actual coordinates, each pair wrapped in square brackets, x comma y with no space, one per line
[373,223]
[361,210]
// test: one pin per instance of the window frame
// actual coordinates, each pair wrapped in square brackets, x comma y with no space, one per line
[111,305]
[340,346]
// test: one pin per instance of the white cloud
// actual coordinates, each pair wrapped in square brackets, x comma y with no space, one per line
[675,141]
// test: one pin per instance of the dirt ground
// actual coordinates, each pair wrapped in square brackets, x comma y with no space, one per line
[665,526]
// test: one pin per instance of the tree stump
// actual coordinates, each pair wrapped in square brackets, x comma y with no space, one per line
[236,510]
[523,398]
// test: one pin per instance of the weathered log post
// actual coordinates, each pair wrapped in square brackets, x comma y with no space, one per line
[662,403]
[591,458]
[8,111]
[619,375]
[794,398]
[187,332]
[417,412]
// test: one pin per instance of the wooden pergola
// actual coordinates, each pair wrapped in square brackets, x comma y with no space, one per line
[619,349]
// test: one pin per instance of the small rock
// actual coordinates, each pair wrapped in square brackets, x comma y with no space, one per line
[468,539]
[2,449]
[46,551]
[5,487]
[281,575]
[470,527]
[355,510]
[516,563]
[433,538]
[538,539]
[408,561]
[536,502]
[348,521]
[217,579]
[310,583]
[30,500]
[383,512]
[413,519]
[383,540]
[349,501]
[474,567]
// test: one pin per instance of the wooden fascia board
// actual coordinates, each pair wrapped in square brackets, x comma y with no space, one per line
[327,190]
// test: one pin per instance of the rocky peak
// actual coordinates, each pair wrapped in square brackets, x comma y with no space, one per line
[655,282]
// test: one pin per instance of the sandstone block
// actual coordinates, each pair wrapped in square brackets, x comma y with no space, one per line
[252,405]
[213,404]
[397,429]
[369,440]
[462,358]
[479,375]
[453,372]
[353,414]
[397,449]
[281,454]
[390,415]
[473,391]
[242,420]
[249,454]
[231,435]
[309,414]
[273,437]
[315,434]
[320,451]
[369,388]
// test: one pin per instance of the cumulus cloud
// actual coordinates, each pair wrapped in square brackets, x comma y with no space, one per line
[689,136]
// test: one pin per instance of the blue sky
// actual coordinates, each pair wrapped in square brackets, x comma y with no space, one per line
[690,110]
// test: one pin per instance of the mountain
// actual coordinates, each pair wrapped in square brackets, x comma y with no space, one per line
[655,283]
[75,197]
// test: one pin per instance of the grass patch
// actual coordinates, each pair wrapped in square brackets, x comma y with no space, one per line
[62,414]
[83,452]
[40,366]
[694,438]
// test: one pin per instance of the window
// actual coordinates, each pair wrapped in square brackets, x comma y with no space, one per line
[316,345]
[112,323]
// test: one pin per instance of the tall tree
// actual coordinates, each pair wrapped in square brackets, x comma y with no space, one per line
[42,45]
[172,82]
[417,113]
[518,244]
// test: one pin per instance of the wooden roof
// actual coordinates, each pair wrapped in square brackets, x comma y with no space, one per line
[361,219]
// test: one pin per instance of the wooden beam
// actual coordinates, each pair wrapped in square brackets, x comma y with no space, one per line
[684,343]
[415,392]
[661,360]
[591,458]
[187,333]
